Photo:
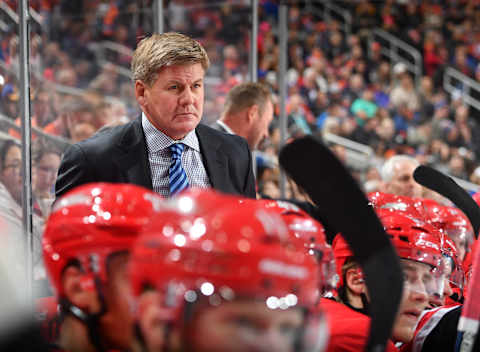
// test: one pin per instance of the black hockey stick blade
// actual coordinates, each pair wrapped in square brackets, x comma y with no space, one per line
[339,198]
[447,187]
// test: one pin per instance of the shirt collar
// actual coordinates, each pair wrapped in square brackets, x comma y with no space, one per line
[157,140]
[225,126]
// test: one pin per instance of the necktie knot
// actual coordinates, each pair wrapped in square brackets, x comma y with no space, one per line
[177,150]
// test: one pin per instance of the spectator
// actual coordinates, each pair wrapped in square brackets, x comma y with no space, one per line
[397,173]
[10,97]
[404,95]
[72,113]
[46,160]
[11,183]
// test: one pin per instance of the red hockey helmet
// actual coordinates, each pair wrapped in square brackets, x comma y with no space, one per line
[410,206]
[311,234]
[453,265]
[416,240]
[242,252]
[198,201]
[456,225]
[91,222]
[342,253]
[413,239]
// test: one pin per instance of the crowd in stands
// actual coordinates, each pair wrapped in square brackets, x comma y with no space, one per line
[338,82]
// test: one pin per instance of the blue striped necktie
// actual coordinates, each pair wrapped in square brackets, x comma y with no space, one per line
[177,176]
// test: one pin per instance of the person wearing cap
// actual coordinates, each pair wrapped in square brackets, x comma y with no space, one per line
[10,101]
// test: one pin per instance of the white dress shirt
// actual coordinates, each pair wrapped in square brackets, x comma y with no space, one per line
[159,157]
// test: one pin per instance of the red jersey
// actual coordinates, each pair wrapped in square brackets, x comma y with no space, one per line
[348,329]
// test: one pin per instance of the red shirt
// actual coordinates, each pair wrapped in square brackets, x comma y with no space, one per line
[349,329]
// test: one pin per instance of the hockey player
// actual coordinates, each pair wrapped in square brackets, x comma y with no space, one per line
[86,248]
[236,280]
[418,246]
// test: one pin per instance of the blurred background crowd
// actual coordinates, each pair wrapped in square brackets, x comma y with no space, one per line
[342,83]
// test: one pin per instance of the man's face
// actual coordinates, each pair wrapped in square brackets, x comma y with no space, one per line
[42,108]
[174,103]
[47,169]
[259,127]
[116,324]
[402,182]
[11,175]
[414,299]
[244,326]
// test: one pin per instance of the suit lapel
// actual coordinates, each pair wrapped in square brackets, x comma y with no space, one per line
[214,161]
[132,158]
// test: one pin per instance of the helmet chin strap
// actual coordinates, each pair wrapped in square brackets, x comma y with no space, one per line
[91,321]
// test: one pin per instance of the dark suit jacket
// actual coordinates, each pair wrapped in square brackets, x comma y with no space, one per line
[119,155]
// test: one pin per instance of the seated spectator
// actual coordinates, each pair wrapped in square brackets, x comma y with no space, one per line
[73,112]
[82,131]
[11,184]
[299,115]
[46,160]
[475,176]
[10,103]
[404,94]
[364,108]
[397,173]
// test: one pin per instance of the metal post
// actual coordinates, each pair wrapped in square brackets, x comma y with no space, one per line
[253,64]
[24,39]
[253,69]
[282,84]
[158,16]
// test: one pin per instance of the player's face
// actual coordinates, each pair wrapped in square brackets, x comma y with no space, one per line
[418,278]
[244,326]
[174,103]
[116,324]
[152,321]
[437,300]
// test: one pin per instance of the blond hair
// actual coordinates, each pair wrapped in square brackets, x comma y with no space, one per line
[246,95]
[162,50]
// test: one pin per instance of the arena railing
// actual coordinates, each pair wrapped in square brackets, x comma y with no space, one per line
[360,157]
[329,8]
[397,51]
[60,142]
[455,82]
[34,15]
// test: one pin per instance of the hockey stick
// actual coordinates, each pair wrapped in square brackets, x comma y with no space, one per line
[331,187]
[447,187]
[468,323]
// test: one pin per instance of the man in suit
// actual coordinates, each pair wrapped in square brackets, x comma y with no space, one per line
[165,149]
[248,112]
